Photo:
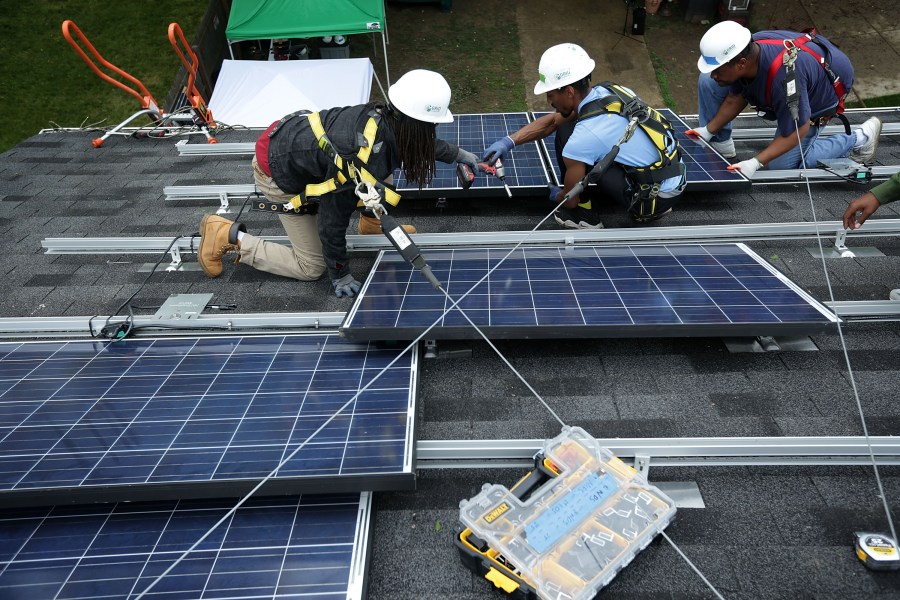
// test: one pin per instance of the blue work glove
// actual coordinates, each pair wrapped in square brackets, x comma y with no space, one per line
[554,194]
[467,158]
[345,286]
[498,149]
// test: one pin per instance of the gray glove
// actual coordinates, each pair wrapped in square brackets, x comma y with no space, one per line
[345,286]
[467,158]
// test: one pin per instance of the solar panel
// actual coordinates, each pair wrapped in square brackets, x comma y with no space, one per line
[202,417]
[706,168]
[286,547]
[586,291]
[523,166]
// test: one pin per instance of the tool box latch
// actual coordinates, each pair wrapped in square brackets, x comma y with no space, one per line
[501,581]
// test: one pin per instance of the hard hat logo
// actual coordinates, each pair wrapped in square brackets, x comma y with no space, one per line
[432,108]
[563,74]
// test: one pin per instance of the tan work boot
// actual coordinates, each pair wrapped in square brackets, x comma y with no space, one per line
[217,237]
[371,225]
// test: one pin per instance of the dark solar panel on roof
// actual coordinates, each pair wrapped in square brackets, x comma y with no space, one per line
[608,291]
[285,547]
[80,420]
[523,166]
[706,169]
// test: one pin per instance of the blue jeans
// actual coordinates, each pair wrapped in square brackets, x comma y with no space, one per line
[710,97]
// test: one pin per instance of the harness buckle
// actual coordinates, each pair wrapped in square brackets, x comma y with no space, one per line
[370,197]
[790,54]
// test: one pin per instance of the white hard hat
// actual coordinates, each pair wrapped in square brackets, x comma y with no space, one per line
[722,42]
[562,65]
[422,95]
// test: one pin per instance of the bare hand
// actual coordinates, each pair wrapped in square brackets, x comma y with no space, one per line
[859,210]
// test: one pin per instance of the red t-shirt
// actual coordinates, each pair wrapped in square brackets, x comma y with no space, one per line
[262,149]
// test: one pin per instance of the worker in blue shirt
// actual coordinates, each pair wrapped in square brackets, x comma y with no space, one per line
[738,68]
[647,177]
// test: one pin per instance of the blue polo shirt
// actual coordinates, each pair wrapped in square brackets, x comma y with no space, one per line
[593,138]
[814,89]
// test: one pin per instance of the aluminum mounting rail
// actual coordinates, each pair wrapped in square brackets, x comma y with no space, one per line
[225,193]
[736,451]
[767,133]
[226,149]
[221,323]
[865,310]
[693,234]
[815,175]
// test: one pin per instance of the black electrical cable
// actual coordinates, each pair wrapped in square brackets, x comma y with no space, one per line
[125,328]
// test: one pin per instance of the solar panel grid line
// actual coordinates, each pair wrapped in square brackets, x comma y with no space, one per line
[279,547]
[49,399]
[133,420]
[524,168]
[706,168]
[588,291]
[200,429]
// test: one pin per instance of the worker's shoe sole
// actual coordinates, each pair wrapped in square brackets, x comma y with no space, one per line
[577,218]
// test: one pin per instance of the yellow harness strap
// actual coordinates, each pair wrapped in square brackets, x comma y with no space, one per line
[320,189]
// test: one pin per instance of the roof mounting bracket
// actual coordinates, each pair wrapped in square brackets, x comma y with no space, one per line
[224,206]
[175,253]
[642,464]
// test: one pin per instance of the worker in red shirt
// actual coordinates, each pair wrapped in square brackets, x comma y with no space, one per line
[296,167]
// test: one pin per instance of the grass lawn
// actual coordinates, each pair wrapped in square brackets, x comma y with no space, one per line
[44,80]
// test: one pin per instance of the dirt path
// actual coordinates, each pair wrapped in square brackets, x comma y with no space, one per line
[597,27]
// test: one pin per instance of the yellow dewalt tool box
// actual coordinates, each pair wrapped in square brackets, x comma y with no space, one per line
[566,528]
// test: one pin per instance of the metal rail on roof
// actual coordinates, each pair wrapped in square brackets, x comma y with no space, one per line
[765,133]
[82,326]
[693,234]
[815,175]
[227,193]
[862,310]
[227,149]
[714,451]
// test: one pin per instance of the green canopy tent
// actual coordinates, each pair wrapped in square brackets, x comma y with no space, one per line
[273,19]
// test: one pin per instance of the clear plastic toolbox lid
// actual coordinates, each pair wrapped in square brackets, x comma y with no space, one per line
[576,531]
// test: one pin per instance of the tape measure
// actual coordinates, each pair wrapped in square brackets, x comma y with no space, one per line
[877,551]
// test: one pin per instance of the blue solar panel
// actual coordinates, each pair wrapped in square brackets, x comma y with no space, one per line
[706,169]
[287,547]
[80,419]
[523,166]
[606,291]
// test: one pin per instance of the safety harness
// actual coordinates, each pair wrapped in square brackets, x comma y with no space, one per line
[647,179]
[350,169]
[787,57]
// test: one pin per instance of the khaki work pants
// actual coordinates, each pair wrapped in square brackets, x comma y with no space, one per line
[303,260]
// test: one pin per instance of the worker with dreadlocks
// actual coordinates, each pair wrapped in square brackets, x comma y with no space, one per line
[647,178]
[308,166]
[738,68]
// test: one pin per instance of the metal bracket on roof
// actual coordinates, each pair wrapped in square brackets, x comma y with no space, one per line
[840,249]
[642,464]
[431,349]
[224,207]
[175,253]
[840,244]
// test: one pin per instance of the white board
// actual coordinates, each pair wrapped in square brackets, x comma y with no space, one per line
[257,93]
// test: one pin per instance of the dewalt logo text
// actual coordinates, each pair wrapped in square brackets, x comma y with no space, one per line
[491,516]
